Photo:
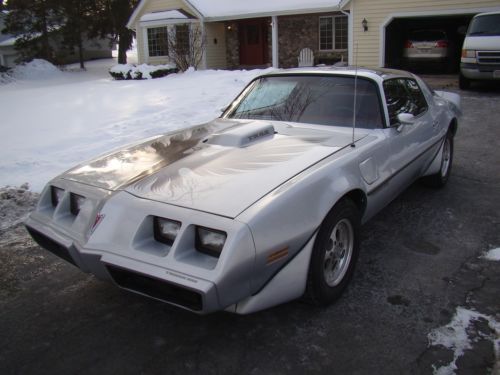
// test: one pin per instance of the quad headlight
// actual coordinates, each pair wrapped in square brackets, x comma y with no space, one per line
[210,241]
[166,230]
[56,195]
[75,203]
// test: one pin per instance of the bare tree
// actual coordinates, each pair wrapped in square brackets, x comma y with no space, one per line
[186,45]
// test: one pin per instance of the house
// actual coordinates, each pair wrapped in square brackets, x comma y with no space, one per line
[255,33]
[261,33]
[94,48]
[8,54]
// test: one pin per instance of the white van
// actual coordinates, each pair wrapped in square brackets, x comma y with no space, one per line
[481,50]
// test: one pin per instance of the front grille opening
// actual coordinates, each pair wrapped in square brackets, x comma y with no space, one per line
[51,245]
[156,288]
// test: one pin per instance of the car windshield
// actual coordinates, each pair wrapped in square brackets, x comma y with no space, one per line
[322,100]
[488,25]
[427,35]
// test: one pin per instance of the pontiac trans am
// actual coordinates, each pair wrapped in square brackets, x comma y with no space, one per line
[260,206]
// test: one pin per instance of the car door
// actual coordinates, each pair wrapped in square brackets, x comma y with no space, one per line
[412,146]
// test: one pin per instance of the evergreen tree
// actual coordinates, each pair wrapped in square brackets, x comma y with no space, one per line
[79,20]
[33,21]
[112,19]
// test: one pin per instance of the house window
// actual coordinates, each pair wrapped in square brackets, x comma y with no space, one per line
[157,41]
[333,33]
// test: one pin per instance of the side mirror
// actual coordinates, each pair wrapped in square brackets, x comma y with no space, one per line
[405,119]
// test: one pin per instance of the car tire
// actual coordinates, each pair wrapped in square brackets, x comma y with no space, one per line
[334,254]
[463,82]
[439,179]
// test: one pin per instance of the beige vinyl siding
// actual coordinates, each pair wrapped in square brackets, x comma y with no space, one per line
[150,7]
[376,13]
[215,48]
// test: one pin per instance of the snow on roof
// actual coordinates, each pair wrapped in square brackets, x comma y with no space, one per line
[8,42]
[166,15]
[237,8]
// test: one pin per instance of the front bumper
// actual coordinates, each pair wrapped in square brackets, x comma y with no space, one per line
[480,71]
[122,249]
[133,275]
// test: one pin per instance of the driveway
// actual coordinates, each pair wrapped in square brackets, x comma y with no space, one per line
[420,261]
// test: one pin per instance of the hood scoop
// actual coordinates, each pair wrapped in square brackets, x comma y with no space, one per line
[243,135]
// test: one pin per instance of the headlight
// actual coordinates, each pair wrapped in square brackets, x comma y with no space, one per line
[75,203]
[469,53]
[210,241]
[56,195]
[165,230]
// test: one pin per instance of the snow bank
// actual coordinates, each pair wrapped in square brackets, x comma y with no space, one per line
[35,69]
[493,254]
[15,205]
[455,337]
[49,126]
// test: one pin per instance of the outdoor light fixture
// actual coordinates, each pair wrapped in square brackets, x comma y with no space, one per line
[229,27]
[364,23]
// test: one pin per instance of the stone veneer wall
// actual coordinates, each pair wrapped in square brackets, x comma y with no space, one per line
[302,31]
[232,44]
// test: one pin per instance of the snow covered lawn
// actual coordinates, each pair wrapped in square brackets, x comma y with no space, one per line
[52,120]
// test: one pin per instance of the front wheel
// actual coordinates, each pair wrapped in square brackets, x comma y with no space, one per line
[334,254]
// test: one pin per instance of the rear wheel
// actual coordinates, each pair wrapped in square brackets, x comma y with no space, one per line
[439,179]
[334,254]
[463,82]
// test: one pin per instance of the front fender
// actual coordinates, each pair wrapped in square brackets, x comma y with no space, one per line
[285,220]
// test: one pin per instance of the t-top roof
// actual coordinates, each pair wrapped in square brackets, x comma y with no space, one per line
[240,8]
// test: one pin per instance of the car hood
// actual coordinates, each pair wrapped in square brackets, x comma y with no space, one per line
[222,167]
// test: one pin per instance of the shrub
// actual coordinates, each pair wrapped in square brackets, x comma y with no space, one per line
[144,71]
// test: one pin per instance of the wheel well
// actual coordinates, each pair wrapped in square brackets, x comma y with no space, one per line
[358,196]
[453,126]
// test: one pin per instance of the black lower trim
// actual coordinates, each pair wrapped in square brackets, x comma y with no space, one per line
[51,245]
[155,288]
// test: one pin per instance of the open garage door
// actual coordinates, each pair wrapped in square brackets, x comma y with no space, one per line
[409,43]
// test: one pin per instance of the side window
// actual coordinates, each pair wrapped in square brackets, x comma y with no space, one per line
[403,96]
[417,97]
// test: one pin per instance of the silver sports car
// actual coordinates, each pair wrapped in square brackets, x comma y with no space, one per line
[260,206]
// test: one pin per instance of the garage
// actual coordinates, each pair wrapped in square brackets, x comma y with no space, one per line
[379,30]
[420,37]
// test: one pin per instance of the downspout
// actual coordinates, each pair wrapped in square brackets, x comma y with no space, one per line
[275,42]
[350,35]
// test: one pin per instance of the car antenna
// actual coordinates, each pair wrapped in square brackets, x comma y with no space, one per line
[355,94]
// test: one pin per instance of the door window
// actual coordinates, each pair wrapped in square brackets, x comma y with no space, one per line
[403,95]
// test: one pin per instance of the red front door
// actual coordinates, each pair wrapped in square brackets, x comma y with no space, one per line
[253,42]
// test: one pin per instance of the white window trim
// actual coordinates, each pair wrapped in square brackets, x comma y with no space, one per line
[146,44]
[159,23]
[333,34]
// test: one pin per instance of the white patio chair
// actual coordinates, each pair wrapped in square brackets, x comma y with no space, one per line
[306,57]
